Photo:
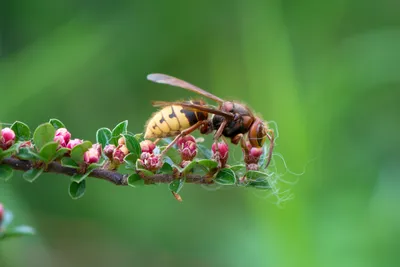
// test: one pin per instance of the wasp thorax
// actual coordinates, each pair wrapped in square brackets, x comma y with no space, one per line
[258,133]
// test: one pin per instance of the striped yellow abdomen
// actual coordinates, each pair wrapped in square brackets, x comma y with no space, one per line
[169,121]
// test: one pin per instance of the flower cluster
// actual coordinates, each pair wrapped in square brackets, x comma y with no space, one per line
[220,153]
[7,138]
[63,137]
[187,148]
[116,154]
[148,159]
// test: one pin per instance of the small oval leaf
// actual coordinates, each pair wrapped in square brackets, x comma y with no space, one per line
[176,185]
[43,134]
[103,136]
[21,130]
[6,172]
[57,124]
[48,151]
[135,180]
[132,144]
[32,174]
[208,163]
[225,177]
[77,190]
[121,128]
[78,151]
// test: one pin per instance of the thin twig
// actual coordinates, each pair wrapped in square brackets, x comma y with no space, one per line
[111,176]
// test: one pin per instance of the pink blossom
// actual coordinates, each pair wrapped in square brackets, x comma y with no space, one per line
[74,142]
[187,147]
[7,138]
[147,146]
[222,154]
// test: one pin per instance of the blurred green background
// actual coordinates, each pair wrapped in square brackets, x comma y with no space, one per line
[326,72]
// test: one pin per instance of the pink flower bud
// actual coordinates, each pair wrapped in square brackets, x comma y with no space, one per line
[27,144]
[64,134]
[187,147]
[222,154]
[1,213]
[7,138]
[151,162]
[147,146]
[74,142]
[121,141]
[60,140]
[109,150]
[252,155]
[119,153]
[92,155]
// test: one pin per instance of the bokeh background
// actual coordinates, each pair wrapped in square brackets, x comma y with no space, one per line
[326,72]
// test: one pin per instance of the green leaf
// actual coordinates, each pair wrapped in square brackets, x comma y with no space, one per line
[166,169]
[22,230]
[61,152]
[43,134]
[21,130]
[252,175]
[25,154]
[176,185]
[78,178]
[208,163]
[174,155]
[32,174]
[131,159]
[57,124]
[204,152]
[225,177]
[140,168]
[132,144]
[260,183]
[6,172]
[78,151]
[77,190]
[238,168]
[258,179]
[121,128]
[189,167]
[48,151]
[135,180]
[68,162]
[103,136]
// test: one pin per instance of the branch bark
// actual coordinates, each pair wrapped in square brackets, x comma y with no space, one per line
[110,176]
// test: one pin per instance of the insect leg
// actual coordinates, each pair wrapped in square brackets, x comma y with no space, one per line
[183,133]
[271,137]
[218,134]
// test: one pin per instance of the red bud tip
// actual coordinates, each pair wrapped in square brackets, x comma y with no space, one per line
[64,134]
[74,142]
[27,144]
[119,153]
[187,147]
[121,141]
[7,138]
[60,140]
[1,213]
[93,154]
[109,150]
[147,146]
[222,154]
[151,162]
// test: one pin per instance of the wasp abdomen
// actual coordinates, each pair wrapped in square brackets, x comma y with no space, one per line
[170,121]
